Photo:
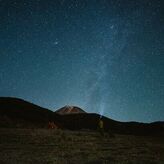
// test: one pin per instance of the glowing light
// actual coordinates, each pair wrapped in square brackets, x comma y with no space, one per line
[102,108]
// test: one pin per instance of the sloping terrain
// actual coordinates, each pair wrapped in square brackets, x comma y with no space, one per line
[25,138]
[90,121]
[17,113]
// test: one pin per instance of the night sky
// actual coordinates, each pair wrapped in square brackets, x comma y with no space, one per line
[105,56]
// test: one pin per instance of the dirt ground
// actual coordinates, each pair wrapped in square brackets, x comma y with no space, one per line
[45,146]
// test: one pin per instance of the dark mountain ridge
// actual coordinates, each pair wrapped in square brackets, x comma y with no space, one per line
[18,113]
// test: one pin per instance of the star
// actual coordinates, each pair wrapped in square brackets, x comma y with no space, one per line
[112,27]
[55,42]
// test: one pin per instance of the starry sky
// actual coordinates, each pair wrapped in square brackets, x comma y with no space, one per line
[105,56]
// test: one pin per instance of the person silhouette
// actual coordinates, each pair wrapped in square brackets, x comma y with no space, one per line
[101,126]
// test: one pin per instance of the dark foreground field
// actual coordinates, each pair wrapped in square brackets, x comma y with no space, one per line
[60,147]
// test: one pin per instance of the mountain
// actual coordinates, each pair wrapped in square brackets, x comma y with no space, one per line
[70,110]
[90,121]
[17,113]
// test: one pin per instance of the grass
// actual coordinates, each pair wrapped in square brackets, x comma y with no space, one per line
[69,147]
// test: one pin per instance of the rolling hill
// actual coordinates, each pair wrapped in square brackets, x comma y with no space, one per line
[22,114]
[16,112]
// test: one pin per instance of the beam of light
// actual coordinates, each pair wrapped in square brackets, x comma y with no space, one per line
[95,93]
[102,108]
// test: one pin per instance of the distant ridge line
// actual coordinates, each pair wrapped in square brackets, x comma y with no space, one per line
[18,113]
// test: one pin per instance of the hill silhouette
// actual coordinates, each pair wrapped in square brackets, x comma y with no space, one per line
[22,114]
[16,112]
[90,121]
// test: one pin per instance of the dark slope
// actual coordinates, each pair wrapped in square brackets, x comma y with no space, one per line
[90,121]
[19,113]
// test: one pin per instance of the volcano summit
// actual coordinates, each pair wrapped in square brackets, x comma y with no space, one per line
[70,110]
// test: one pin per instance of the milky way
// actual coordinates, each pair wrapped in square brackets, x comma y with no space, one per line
[105,56]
